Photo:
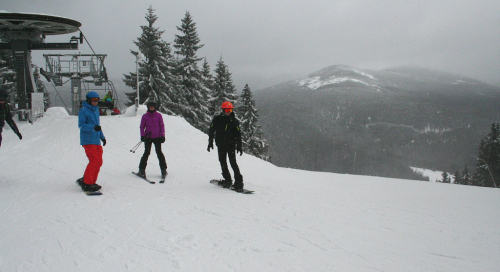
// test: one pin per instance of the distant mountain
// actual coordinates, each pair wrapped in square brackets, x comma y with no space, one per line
[349,120]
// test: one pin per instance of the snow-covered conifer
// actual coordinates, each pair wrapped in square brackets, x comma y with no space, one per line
[192,89]
[7,72]
[223,89]
[250,129]
[155,71]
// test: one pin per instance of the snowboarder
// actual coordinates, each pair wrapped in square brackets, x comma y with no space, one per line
[90,138]
[227,136]
[152,132]
[5,115]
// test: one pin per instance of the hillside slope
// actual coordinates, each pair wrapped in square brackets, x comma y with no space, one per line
[348,120]
[296,220]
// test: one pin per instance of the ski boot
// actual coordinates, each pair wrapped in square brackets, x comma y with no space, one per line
[142,173]
[90,187]
[80,181]
[238,184]
[163,173]
[236,188]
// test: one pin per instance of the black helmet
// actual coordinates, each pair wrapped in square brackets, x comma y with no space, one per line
[4,95]
[151,102]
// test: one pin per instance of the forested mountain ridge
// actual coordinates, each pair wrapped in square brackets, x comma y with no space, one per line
[348,120]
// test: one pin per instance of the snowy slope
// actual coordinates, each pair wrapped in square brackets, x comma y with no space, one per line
[296,220]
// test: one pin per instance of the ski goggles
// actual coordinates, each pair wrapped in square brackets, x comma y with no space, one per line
[228,110]
[95,99]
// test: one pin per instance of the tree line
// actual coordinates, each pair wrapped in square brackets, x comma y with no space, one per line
[487,171]
[171,75]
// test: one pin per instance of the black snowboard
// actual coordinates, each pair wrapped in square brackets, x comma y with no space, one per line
[93,193]
[245,191]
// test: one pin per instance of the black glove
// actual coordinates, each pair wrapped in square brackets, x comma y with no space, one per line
[162,140]
[97,128]
[103,142]
[19,135]
[210,145]
[143,138]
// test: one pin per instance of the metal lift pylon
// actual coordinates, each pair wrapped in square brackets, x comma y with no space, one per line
[23,32]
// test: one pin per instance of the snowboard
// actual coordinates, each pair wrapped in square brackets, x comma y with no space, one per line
[151,182]
[245,191]
[88,192]
[93,193]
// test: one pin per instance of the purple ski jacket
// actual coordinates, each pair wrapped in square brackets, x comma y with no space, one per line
[152,122]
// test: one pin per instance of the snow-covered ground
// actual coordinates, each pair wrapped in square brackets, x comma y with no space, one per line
[295,221]
[433,175]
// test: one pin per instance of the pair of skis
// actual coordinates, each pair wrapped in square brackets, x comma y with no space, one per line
[148,180]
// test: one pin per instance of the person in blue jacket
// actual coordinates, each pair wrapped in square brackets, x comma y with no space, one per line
[90,138]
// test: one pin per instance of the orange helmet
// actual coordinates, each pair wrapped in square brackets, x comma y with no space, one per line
[227,105]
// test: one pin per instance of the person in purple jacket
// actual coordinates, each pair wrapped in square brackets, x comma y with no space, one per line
[152,132]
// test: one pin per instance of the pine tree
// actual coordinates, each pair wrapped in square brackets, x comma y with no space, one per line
[156,79]
[8,73]
[250,130]
[466,176]
[488,164]
[192,89]
[445,178]
[207,80]
[224,89]
[458,178]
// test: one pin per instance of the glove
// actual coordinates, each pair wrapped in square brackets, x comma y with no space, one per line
[210,145]
[103,142]
[162,140]
[143,138]
[19,135]
[97,128]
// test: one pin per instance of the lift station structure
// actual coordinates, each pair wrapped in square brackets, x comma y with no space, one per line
[23,32]
[78,67]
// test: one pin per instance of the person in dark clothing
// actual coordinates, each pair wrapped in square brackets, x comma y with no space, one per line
[152,132]
[6,116]
[226,129]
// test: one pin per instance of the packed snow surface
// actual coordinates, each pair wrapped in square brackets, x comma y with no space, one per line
[295,221]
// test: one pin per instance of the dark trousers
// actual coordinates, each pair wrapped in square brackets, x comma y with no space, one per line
[147,150]
[229,151]
[0,137]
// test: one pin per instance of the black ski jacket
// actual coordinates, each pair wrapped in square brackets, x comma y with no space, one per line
[5,115]
[226,130]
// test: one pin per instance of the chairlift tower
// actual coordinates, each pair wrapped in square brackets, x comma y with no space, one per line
[76,67]
[23,32]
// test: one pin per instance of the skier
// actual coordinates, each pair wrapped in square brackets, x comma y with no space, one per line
[152,132]
[5,115]
[227,135]
[90,138]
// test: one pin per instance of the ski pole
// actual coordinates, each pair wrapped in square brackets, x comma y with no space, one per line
[139,144]
[135,147]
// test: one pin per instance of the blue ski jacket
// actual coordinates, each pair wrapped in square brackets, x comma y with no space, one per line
[88,118]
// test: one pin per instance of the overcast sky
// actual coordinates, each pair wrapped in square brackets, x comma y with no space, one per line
[266,42]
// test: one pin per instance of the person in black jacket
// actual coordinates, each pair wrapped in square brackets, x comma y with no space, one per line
[227,136]
[6,116]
